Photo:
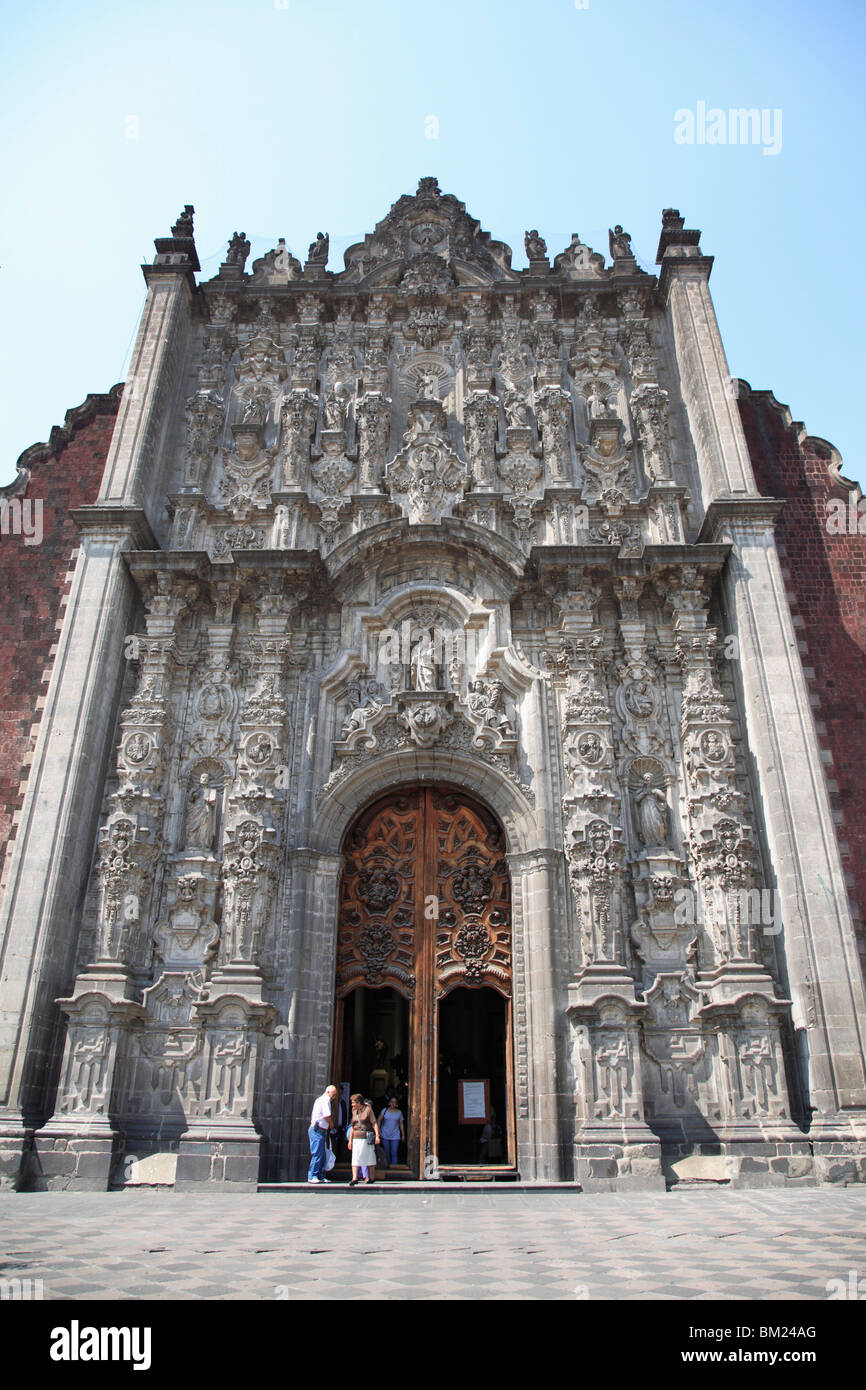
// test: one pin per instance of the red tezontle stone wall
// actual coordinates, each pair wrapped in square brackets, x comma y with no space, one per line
[825,577]
[34,583]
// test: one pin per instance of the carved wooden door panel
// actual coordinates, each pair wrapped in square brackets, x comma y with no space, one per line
[424,909]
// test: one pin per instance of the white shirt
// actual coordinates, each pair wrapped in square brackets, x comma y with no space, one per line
[322,1112]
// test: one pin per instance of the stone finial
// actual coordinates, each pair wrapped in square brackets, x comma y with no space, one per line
[676,234]
[178,250]
[183,225]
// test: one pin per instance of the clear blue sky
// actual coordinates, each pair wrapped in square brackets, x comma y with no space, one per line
[285,119]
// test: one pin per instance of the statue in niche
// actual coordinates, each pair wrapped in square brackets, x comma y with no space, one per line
[516,410]
[336,405]
[428,384]
[652,813]
[596,404]
[422,663]
[201,815]
[254,412]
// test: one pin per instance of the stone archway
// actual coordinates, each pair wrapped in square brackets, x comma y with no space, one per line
[539,885]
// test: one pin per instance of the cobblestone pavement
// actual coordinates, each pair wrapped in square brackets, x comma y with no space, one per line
[439,1244]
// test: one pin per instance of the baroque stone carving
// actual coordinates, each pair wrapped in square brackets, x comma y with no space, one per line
[426,479]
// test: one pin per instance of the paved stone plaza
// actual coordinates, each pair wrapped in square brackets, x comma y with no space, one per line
[437,1244]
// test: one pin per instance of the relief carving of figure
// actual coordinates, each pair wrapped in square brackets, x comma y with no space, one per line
[640,700]
[483,702]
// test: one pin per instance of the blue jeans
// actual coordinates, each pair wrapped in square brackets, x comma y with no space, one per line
[318,1152]
[392,1149]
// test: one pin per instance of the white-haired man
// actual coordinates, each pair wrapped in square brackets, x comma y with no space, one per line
[320,1127]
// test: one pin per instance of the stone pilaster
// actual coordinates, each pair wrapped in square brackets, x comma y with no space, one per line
[51,859]
[310,1021]
[823,974]
[535,876]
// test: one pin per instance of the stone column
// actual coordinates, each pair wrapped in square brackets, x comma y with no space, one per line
[534,880]
[311,974]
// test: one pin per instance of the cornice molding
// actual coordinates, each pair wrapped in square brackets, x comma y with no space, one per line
[746,392]
[97,403]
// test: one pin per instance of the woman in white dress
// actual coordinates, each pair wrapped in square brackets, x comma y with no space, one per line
[364,1131]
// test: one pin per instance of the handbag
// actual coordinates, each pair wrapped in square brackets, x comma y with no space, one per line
[370,1136]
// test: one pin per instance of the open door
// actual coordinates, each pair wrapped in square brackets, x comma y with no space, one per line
[424,977]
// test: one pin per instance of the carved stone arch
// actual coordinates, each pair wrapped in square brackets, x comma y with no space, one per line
[213,766]
[404,766]
[425,912]
[393,546]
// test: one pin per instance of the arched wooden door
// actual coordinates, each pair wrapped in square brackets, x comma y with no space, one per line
[425,911]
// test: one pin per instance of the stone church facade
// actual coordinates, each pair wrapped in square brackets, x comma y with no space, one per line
[427,666]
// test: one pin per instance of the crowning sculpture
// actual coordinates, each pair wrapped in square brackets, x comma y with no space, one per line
[432,518]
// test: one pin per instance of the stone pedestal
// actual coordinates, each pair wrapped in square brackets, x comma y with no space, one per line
[614,1147]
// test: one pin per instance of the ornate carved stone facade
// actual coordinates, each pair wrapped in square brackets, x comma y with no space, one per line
[432,521]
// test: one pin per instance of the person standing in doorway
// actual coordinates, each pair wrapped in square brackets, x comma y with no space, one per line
[320,1128]
[391,1127]
[364,1131]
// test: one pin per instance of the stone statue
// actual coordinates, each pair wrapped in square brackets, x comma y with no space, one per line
[620,243]
[201,815]
[536,246]
[239,249]
[336,404]
[318,252]
[516,410]
[428,384]
[652,809]
[253,413]
[422,664]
